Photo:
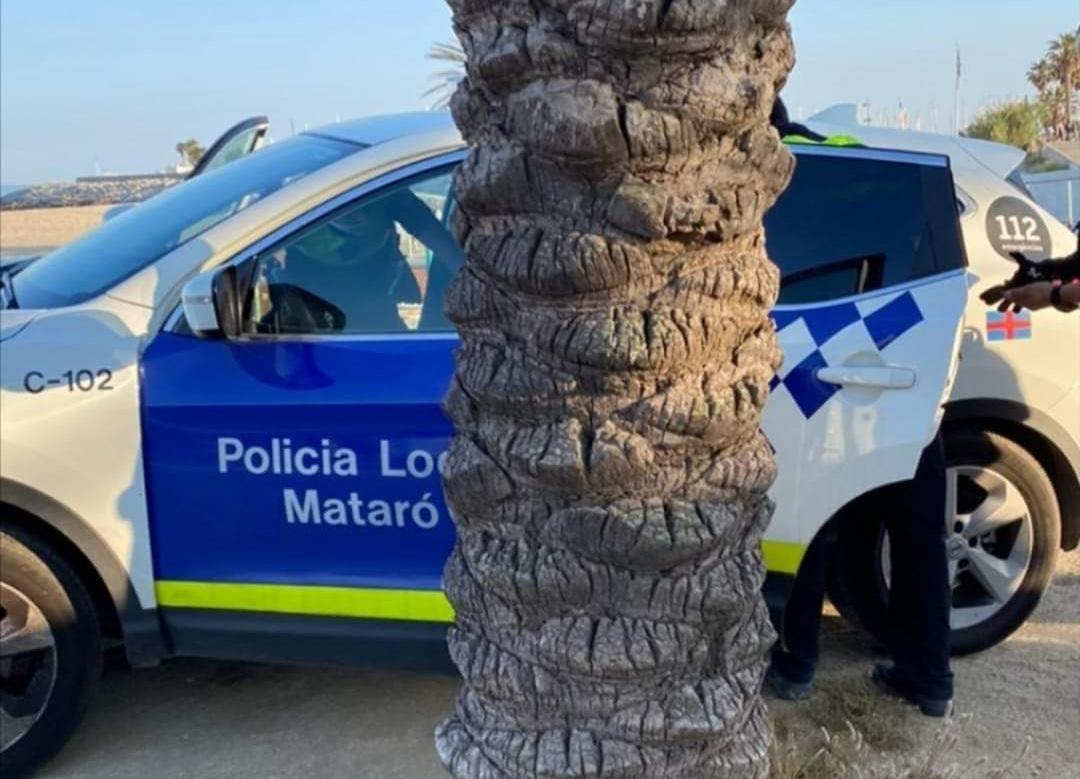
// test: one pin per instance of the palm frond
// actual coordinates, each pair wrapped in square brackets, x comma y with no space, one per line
[446,81]
[446,87]
[447,52]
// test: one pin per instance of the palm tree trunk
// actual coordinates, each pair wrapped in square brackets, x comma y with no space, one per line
[608,476]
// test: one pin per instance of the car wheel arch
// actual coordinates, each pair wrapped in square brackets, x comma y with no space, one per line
[1029,428]
[1042,437]
[121,615]
[857,584]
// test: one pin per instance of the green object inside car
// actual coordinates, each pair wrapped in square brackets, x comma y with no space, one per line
[834,140]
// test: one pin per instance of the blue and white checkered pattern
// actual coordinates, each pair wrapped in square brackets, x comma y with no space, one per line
[820,337]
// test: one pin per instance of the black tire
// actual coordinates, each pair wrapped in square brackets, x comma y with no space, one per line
[45,578]
[857,583]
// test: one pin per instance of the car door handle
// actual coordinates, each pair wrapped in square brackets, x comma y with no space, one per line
[883,377]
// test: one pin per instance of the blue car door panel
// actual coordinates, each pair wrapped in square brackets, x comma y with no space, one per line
[298,463]
[297,469]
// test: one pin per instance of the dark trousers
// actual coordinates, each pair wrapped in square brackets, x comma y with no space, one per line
[920,597]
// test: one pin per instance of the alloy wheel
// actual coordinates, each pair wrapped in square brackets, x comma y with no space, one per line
[27,664]
[989,540]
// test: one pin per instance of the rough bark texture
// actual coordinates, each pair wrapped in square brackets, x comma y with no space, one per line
[608,476]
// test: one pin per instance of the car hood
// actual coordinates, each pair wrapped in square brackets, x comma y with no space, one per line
[14,321]
[17,262]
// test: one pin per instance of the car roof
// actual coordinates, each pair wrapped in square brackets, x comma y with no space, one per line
[377,130]
[421,130]
[1000,159]
[384,144]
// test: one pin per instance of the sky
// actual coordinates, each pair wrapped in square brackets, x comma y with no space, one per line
[113,85]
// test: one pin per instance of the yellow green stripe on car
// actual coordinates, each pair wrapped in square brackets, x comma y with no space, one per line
[357,602]
[363,602]
[783,556]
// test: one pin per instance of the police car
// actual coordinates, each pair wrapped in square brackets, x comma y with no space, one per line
[221,428]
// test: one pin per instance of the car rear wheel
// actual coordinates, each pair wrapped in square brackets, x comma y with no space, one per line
[50,652]
[1003,531]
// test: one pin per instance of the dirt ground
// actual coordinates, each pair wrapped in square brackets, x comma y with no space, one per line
[33,230]
[194,719]
[1018,703]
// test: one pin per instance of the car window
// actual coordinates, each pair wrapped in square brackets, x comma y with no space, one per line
[1049,181]
[848,225]
[237,147]
[378,265]
[135,239]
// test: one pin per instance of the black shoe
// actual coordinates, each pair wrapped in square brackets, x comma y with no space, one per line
[779,686]
[885,678]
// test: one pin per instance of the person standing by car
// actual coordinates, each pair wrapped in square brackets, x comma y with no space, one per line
[919,603]
[920,597]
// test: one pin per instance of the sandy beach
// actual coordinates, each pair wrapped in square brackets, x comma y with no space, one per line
[34,230]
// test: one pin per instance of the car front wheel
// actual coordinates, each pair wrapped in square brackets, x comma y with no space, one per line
[50,652]
[1002,529]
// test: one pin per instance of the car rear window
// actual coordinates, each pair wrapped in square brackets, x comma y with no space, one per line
[850,224]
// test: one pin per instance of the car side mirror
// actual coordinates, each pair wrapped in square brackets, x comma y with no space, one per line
[212,303]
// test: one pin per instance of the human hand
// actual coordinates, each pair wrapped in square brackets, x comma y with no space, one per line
[1031,296]
[1027,272]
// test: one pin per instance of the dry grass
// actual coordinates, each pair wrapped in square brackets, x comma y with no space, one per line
[847,756]
[884,723]
[849,731]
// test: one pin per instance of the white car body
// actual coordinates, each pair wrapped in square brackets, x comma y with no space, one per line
[1030,385]
[72,449]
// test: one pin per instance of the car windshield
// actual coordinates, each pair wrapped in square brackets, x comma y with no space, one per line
[132,241]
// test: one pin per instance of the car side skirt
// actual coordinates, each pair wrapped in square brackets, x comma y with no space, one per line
[263,637]
[305,639]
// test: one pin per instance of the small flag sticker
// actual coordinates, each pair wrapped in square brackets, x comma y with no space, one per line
[1008,326]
